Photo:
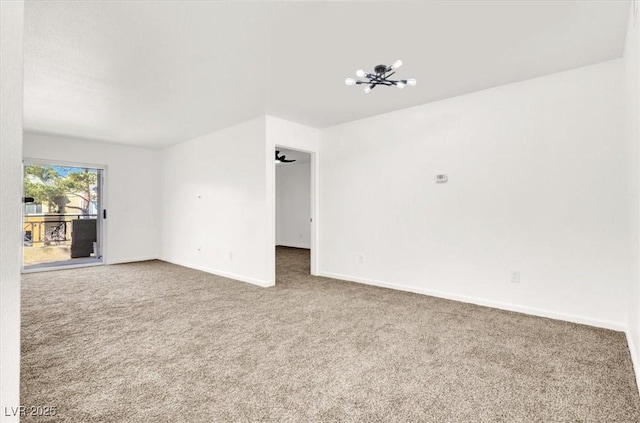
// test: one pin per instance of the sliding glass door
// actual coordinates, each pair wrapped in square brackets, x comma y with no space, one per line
[62,223]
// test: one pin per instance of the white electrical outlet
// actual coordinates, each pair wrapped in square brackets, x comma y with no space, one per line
[361,258]
[515,276]
[441,179]
[231,255]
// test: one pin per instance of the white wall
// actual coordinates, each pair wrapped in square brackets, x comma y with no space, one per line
[284,133]
[11,77]
[133,192]
[215,199]
[293,205]
[632,87]
[537,183]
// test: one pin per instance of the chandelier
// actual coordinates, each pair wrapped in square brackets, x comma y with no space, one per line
[381,76]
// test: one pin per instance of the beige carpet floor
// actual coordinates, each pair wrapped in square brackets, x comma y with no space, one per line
[154,342]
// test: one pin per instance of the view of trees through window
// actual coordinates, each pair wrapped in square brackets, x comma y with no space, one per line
[61,189]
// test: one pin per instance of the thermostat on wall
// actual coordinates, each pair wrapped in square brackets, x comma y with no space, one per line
[441,179]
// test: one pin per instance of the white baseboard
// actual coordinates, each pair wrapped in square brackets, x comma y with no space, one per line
[224,274]
[132,260]
[634,357]
[483,302]
[294,245]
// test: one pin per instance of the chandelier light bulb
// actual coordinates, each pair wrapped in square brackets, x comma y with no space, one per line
[400,85]
[350,81]
[360,73]
[367,89]
[412,82]
[396,64]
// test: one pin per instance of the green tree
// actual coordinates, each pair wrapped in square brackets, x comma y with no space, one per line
[43,184]
[81,185]
[47,186]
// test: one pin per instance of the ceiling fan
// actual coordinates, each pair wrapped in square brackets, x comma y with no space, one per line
[282,159]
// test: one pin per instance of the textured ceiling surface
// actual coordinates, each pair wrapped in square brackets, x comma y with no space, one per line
[155,73]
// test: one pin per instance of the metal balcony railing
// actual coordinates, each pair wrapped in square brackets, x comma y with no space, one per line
[50,229]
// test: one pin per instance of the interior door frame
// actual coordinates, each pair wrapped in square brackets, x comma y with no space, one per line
[102,205]
[313,199]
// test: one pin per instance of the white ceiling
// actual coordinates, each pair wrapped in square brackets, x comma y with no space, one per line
[154,73]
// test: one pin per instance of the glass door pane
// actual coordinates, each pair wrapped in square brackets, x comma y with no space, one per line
[61,216]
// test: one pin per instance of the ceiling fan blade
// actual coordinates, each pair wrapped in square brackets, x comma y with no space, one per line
[283,158]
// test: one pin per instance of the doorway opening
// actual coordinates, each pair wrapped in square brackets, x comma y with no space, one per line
[62,216]
[293,214]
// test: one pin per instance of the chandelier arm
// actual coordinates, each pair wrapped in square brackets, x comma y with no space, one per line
[376,78]
[385,83]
